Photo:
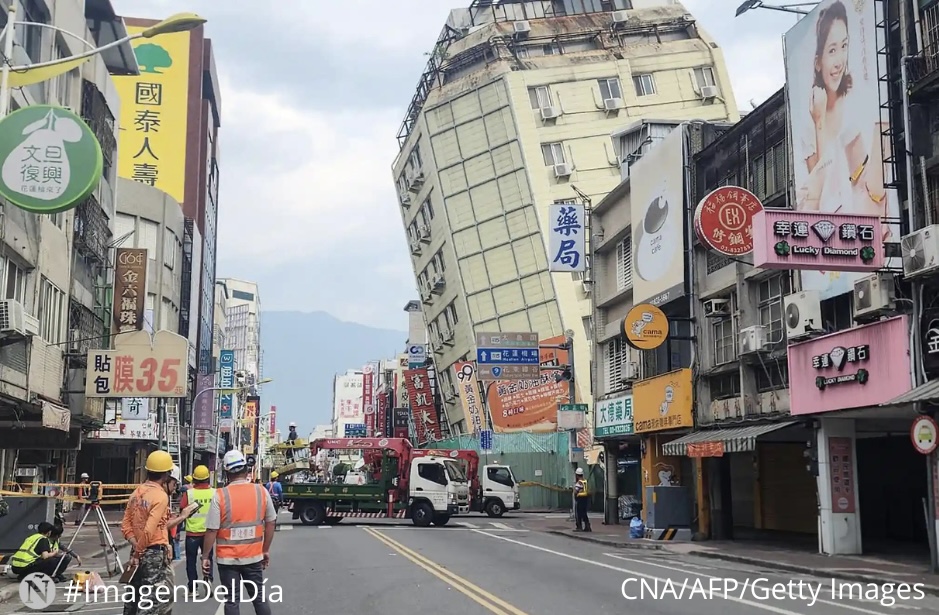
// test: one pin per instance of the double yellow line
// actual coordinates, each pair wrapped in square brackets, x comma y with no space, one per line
[475,593]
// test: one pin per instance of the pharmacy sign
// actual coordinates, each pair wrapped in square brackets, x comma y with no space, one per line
[50,159]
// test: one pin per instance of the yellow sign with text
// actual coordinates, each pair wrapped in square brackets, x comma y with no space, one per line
[664,402]
[154,113]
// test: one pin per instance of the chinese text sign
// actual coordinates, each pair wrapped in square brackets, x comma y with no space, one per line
[130,289]
[567,242]
[139,367]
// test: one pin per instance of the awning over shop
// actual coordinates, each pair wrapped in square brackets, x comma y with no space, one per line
[924,392]
[734,440]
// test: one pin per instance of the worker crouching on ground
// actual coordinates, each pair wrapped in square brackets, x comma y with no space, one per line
[37,555]
[240,526]
[146,526]
[581,502]
[200,493]
[55,539]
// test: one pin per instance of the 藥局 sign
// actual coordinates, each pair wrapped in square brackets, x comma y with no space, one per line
[567,244]
[614,417]
[50,159]
[834,111]
[140,366]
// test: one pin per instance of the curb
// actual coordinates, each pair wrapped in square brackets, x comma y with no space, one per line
[817,572]
[608,543]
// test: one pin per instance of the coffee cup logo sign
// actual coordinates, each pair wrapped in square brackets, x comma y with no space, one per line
[50,159]
[839,358]
[848,233]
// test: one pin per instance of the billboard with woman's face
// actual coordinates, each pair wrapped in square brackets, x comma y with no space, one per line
[833,98]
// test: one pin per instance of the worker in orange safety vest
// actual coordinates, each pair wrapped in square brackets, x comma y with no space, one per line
[240,525]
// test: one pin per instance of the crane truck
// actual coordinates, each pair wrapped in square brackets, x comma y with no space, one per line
[393,483]
[494,493]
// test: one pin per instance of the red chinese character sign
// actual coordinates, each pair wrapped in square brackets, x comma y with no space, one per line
[723,220]
[423,410]
[140,366]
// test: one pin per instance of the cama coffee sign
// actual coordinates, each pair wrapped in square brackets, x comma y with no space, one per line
[841,365]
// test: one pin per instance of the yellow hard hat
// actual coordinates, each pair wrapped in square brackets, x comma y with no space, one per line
[200,473]
[274,474]
[189,478]
[159,461]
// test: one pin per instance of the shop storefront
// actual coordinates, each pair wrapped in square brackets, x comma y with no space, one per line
[871,480]
[614,429]
[662,412]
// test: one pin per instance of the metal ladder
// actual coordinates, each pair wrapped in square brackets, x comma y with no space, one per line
[172,432]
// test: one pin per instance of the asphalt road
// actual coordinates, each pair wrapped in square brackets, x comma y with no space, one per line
[477,566]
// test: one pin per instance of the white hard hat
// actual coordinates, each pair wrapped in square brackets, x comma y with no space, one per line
[175,473]
[84,475]
[579,472]
[292,424]
[234,461]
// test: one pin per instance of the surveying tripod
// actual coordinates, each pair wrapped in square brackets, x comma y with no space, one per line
[104,532]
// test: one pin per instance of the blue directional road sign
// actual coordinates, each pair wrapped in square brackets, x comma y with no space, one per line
[485,440]
[354,430]
[507,356]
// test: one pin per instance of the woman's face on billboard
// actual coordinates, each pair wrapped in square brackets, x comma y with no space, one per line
[834,58]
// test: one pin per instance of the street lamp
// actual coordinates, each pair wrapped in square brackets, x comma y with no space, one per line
[29,74]
[749,5]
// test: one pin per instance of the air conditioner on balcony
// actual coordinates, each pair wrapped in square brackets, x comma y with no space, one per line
[620,17]
[423,233]
[415,246]
[629,372]
[803,314]
[405,200]
[717,308]
[563,170]
[447,335]
[709,92]
[12,317]
[550,112]
[426,296]
[613,104]
[753,340]
[874,295]
[920,251]
[438,282]
[416,181]
[521,28]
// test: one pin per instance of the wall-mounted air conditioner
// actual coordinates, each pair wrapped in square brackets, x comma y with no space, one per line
[874,295]
[803,314]
[563,170]
[416,181]
[423,233]
[415,246]
[438,282]
[716,308]
[613,104]
[551,112]
[620,17]
[920,251]
[709,92]
[629,372]
[753,340]
[521,28]
[447,335]
[11,318]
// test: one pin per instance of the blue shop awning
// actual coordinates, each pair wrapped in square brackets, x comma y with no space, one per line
[735,439]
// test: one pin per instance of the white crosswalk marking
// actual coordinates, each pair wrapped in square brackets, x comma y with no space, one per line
[280,528]
[501,526]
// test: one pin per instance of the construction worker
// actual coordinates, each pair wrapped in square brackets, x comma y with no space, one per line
[240,526]
[581,502]
[201,494]
[276,490]
[292,438]
[37,555]
[83,492]
[146,524]
[55,539]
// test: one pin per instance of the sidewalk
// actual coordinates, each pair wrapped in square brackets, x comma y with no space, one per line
[864,569]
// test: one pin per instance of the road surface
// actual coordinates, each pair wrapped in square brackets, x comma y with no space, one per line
[477,566]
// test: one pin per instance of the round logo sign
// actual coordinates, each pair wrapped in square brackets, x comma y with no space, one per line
[368,369]
[50,159]
[37,591]
[723,220]
[925,435]
[645,327]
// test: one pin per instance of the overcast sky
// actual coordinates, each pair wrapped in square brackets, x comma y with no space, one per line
[313,93]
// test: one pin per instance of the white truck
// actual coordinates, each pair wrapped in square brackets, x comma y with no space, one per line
[494,492]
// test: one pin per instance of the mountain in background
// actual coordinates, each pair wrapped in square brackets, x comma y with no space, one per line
[303,351]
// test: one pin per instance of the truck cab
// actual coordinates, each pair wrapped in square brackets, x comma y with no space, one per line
[438,490]
[499,490]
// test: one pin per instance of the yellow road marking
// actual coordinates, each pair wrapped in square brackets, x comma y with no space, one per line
[477,594]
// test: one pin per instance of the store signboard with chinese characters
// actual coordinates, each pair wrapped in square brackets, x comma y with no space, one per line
[614,417]
[141,365]
[131,418]
[130,289]
[859,367]
[929,329]
[723,220]
[423,408]
[567,243]
[785,239]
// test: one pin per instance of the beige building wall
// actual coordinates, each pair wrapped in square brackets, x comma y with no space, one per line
[486,158]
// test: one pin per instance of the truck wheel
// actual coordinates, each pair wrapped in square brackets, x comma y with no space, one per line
[495,508]
[422,514]
[441,520]
[313,514]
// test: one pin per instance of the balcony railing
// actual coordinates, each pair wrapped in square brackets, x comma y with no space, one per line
[924,69]
[92,232]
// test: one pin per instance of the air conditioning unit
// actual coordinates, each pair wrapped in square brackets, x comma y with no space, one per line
[447,336]
[426,296]
[709,92]
[521,28]
[563,170]
[438,282]
[436,345]
[803,314]
[12,318]
[405,199]
[550,113]
[873,295]
[613,104]
[920,251]
[620,17]
[416,181]
[717,308]
[629,372]
[415,246]
[423,233]
[753,340]
[30,324]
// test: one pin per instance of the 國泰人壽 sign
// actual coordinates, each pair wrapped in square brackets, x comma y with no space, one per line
[50,160]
